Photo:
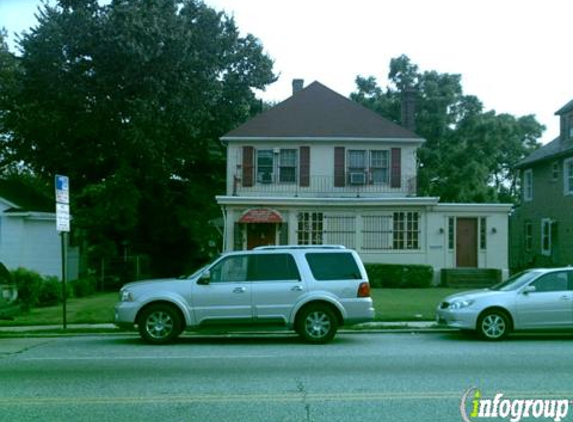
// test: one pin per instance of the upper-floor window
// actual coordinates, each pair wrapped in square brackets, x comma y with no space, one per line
[368,166]
[546,236]
[265,167]
[555,171]
[528,185]
[276,165]
[568,176]
[287,165]
[528,228]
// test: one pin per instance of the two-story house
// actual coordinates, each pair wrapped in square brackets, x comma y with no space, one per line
[542,225]
[319,168]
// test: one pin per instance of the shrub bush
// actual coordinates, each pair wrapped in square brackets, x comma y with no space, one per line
[85,286]
[400,276]
[50,292]
[29,284]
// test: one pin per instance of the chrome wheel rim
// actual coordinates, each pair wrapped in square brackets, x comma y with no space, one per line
[159,325]
[318,324]
[493,326]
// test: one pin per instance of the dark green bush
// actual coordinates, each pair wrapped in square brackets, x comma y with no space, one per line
[29,284]
[399,276]
[85,286]
[50,292]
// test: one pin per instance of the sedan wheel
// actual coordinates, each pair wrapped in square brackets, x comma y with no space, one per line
[317,324]
[494,325]
[159,324]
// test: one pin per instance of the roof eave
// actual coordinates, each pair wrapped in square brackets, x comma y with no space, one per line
[319,139]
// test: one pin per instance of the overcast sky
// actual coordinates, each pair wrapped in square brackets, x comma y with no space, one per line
[516,56]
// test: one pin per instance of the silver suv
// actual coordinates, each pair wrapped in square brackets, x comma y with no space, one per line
[312,290]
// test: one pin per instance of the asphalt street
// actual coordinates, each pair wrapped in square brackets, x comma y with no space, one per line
[359,377]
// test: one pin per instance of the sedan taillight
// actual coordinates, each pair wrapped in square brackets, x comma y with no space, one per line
[364,290]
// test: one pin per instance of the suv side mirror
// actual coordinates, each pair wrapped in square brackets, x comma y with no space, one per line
[529,289]
[205,278]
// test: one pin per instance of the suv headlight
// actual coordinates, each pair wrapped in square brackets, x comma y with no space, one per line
[460,304]
[125,296]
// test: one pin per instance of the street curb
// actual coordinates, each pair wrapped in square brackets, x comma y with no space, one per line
[111,329]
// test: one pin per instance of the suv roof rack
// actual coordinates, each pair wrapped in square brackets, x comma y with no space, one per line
[271,247]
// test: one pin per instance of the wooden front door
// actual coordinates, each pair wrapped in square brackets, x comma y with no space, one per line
[466,242]
[260,234]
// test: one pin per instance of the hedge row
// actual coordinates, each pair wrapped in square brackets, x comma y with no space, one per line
[399,276]
[35,290]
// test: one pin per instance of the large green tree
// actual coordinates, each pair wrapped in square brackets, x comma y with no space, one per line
[469,153]
[129,99]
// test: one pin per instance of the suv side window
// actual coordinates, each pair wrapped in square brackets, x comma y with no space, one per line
[230,269]
[333,266]
[552,282]
[268,267]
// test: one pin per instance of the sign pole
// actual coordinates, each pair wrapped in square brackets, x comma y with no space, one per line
[63,227]
[64,277]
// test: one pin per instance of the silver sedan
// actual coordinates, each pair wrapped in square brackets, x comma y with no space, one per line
[536,299]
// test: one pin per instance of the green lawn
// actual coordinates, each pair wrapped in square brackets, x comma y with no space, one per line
[91,310]
[408,304]
[391,305]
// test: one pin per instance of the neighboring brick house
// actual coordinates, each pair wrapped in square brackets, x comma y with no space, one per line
[542,225]
[319,168]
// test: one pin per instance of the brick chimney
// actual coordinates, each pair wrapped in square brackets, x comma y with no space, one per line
[297,85]
[408,106]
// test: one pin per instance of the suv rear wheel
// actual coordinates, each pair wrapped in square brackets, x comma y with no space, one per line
[317,324]
[160,324]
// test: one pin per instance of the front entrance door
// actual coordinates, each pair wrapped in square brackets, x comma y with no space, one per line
[466,242]
[260,234]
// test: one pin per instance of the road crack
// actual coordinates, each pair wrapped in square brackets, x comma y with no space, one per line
[304,393]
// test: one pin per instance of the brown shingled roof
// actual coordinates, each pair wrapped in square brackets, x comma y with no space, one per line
[318,112]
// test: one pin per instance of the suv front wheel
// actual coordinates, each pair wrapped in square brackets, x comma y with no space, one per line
[160,324]
[317,324]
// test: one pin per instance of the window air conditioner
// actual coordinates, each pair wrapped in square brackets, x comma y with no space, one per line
[357,178]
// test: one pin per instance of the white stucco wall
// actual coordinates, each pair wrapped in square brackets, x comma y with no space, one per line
[434,249]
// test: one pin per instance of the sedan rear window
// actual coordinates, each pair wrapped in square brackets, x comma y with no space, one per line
[333,266]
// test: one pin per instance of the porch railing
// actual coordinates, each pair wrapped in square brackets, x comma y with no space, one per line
[324,187]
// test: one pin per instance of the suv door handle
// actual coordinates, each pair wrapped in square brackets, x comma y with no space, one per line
[239,290]
[297,289]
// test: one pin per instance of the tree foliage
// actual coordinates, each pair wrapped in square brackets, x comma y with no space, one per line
[129,99]
[469,153]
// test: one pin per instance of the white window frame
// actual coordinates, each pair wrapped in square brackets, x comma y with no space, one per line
[383,166]
[546,236]
[283,164]
[568,176]
[258,171]
[528,185]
